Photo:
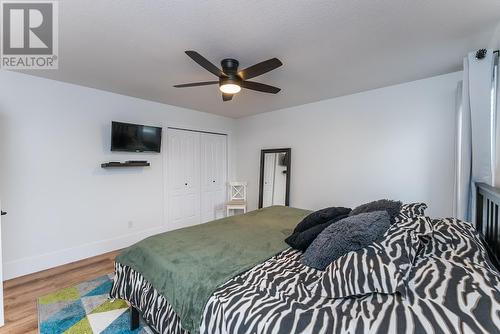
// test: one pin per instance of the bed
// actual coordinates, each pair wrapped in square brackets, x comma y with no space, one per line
[451,287]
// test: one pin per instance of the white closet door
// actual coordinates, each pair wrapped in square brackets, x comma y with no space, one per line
[213,175]
[183,177]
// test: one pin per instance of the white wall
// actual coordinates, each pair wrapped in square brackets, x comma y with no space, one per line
[495,40]
[62,206]
[395,142]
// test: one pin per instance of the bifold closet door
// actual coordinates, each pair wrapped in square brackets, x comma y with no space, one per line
[213,175]
[183,177]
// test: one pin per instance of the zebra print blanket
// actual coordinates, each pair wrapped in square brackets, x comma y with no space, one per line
[451,288]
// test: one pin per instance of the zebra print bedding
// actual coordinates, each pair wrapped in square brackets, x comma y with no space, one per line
[131,286]
[445,292]
[381,267]
[451,287]
[411,210]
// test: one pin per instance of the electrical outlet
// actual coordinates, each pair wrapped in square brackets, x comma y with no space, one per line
[130,224]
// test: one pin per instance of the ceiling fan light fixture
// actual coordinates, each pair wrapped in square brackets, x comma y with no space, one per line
[230,79]
[230,88]
[230,84]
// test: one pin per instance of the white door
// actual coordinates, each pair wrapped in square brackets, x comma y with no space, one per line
[2,320]
[213,175]
[279,184]
[183,178]
[268,189]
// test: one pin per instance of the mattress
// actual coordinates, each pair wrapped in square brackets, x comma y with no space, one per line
[452,288]
[187,265]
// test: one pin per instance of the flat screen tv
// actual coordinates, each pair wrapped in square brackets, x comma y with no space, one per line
[135,138]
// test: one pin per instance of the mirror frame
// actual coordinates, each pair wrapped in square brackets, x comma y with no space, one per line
[288,151]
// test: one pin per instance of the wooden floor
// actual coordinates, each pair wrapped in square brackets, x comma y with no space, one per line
[20,294]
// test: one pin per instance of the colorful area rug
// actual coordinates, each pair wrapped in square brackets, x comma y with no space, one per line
[85,309]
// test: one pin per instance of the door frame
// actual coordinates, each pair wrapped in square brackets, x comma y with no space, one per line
[2,315]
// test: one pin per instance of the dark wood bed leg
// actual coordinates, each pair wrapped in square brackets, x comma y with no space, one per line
[134,318]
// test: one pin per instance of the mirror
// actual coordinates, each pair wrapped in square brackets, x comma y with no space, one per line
[274,177]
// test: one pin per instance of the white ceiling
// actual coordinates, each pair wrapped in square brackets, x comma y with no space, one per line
[329,48]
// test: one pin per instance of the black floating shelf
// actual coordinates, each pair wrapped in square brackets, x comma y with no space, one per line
[125,164]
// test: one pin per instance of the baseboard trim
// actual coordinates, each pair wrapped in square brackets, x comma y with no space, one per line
[30,265]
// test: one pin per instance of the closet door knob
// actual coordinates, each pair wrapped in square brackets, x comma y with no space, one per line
[185,184]
[3,213]
[213,181]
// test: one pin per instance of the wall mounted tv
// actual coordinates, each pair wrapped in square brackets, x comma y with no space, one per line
[135,138]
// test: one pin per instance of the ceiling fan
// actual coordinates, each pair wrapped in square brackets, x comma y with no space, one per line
[230,79]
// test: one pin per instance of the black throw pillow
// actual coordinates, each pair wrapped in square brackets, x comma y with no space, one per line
[392,207]
[302,240]
[320,217]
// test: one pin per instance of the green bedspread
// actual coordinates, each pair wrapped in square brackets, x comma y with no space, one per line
[188,264]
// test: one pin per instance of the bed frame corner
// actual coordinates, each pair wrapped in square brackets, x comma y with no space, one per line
[134,318]
[487,219]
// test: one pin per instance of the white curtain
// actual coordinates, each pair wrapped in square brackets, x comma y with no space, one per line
[476,130]
[464,151]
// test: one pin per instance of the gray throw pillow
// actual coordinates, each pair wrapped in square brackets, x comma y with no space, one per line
[392,207]
[346,235]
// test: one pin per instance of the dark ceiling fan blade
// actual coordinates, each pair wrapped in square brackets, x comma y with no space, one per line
[203,62]
[260,87]
[194,84]
[260,68]
[227,97]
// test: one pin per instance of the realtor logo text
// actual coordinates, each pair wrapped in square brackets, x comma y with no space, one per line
[29,35]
